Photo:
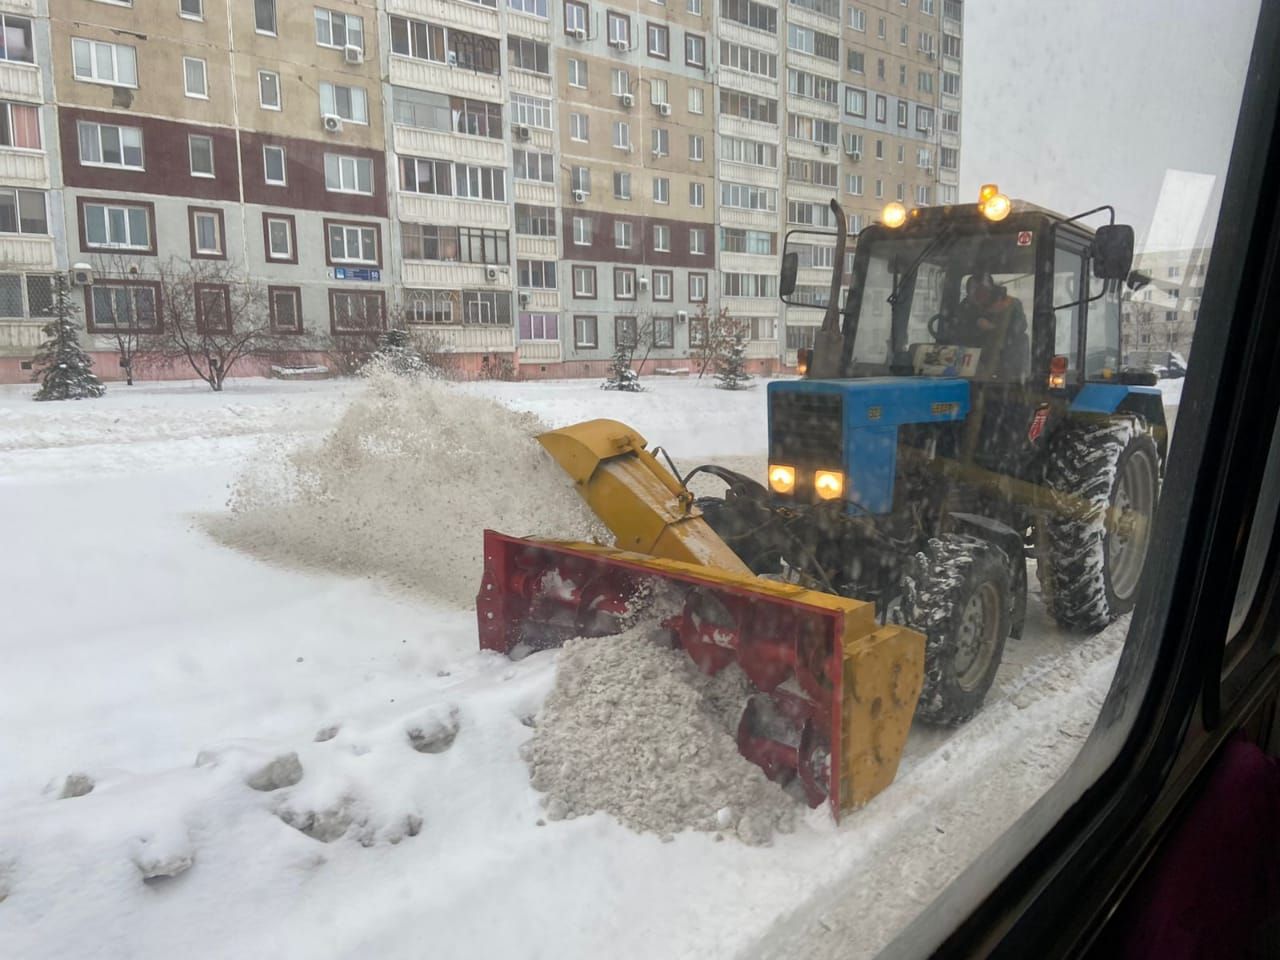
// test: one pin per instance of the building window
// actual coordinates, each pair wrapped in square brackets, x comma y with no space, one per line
[356,311]
[902,154]
[697,332]
[279,236]
[577,73]
[264,16]
[662,285]
[697,288]
[116,226]
[416,39]
[338,30]
[530,111]
[533,221]
[661,142]
[529,165]
[902,113]
[349,103]
[434,306]
[857,20]
[624,331]
[624,283]
[855,102]
[15,40]
[659,41]
[697,240]
[857,61]
[200,155]
[622,234]
[696,100]
[695,146]
[345,174]
[191,9]
[422,241]
[213,308]
[96,62]
[418,175]
[661,238]
[207,234]
[882,109]
[694,7]
[584,283]
[924,119]
[575,18]
[285,307]
[23,211]
[273,166]
[664,333]
[536,274]
[269,90]
[19,125]
[622,135]
[697,194]
[879,149]
[695,50]
[539,326]
[951,46]
[534,8]
[925,82]
[107,145]
[122,306]
[618,26]
[922,196]
[582,231]
[902,193]
[621,185]
[661,190]
[195,78]
[585,333]
[950,121]
[471,182]
[578,127]
[530,55]
[853,184]
[951,84]
[352,243]
[39,295]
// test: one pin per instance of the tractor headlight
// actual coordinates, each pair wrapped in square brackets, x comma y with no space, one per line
[829,484]
[782,479]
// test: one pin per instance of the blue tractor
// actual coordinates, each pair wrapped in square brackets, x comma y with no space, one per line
[963,411]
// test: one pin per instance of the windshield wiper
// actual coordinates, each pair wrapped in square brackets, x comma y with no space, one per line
[942,234]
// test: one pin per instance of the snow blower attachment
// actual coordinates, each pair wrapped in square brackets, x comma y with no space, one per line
[834,690]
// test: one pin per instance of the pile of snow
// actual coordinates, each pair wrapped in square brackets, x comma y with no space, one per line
[634,729]
[403,488]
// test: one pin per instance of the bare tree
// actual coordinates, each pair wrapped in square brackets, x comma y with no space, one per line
[212,319]
[130,332]
[718,334]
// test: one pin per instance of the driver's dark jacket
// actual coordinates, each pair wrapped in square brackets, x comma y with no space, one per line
[1005,346]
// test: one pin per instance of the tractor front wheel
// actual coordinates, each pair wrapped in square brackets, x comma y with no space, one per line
[1105,477]
[957,593]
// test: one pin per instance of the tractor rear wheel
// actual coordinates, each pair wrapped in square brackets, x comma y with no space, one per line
[957,593]
[1105,477]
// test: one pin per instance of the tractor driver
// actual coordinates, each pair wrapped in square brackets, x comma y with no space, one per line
[993,321]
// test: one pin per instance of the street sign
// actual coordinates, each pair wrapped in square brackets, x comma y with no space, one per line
[357,273]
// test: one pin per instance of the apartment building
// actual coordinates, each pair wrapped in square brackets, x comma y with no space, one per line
[527,183]
[1161,317]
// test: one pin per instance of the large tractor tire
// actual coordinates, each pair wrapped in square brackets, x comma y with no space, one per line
[957,593]
[1105,476]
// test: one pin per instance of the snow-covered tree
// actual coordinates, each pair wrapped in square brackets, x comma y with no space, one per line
[731,365]
[61,366]
[397,354]
[621,376]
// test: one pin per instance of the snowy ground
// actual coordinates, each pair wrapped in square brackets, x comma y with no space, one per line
[170,670]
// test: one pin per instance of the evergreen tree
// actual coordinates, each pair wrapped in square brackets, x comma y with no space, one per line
[62,368]
[731,365]
[621,376]
[397,354]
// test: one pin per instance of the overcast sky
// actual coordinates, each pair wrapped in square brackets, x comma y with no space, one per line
[1078,103]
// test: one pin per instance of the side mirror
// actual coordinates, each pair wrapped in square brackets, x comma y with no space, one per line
[1137,280]
[790,265]
[1113,252]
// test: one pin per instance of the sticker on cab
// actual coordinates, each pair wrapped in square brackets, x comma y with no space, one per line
[1024,238]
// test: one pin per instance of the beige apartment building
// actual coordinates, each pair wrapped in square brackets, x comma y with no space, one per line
[527,184]
[1161,318]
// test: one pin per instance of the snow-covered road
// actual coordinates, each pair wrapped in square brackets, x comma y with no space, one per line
[133,644]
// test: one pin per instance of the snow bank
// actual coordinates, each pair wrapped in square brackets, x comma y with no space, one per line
[403,488]
[634,729]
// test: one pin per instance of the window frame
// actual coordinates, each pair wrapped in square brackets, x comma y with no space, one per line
[186,15]
[284,165]
[654,31]
[8,107]
[670,277]
[193,215]
[579,342]
[204,77]
[199,291]
[329,260]
[82,222]
[94,61]
[337,292]
[295,293]
[622,273]
[694,39]
[584,270]
[291,221]
[262,104]
[142,146]
[91,324]
[191,157]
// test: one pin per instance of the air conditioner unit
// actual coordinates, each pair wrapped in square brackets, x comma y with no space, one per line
[664,109]
[627,99]
[579,33]
[491,273]
[332,123]
[352,54]
[579,196]
[620,43]
[682,316]
[932,55]
[643,281]
[524,299]
[825,149]
[81,275]
[522,133]
[452,59]
[855,155]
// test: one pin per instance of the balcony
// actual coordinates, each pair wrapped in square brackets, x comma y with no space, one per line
[414,141]
[537,248]
[24,168]
[539,351]
[749,129]
[749,174]
[450,13]
[762,350]
[535,192]
[743,307]
[533,84]
[441,274]
[19,336]
[523,25]
[20,81]
[427,75]
[20,251]
[804,17]
[467,213]
[810,192]
[732,79]
[748,262]
[735,32]
[749,219]
[473,337]
[808,150]
[819,65]
[538,301]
